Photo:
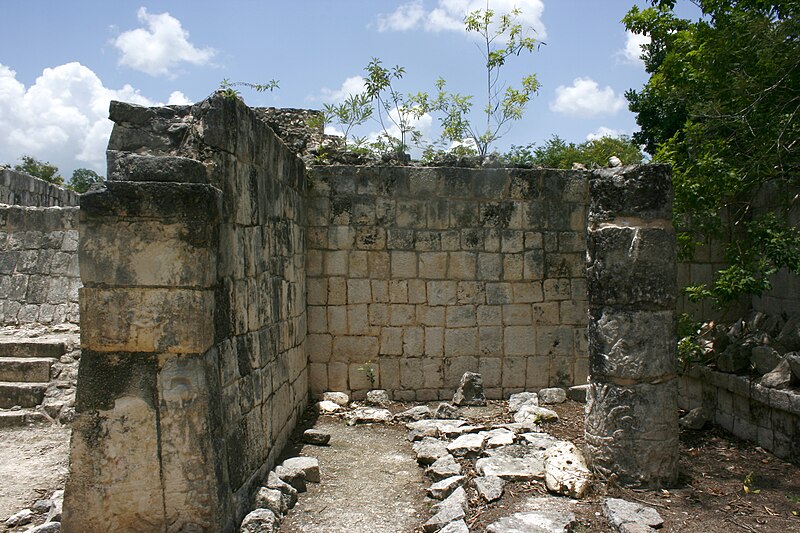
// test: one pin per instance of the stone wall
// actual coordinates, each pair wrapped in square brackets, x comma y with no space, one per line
[18,188]
[39,278]
[769,417]
[427,273]
[193,371]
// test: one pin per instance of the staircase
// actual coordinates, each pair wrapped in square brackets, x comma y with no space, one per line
[25,373]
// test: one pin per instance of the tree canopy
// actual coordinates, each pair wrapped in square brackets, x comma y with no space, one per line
[82,179]
[721,107]
[557,153]
[39,169]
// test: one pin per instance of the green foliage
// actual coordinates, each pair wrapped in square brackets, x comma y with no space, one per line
[229,90]
[557,153]
[501,37]
[688,348]
[721,107]
[354,111]
[39,169]
[82,179]
[369,372]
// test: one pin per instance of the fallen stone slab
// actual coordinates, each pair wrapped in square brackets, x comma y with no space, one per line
[435,427]
[289,492]
[272,499]
[470,390]
[779,378]
[620,512]
[539,440]
[545,521]
[47,527]
[56,505]
[338,398]
[459,526]
[489,488]
[378,397]
[498,437]
[327,407]
[794,364]
[565,471]
[578,393]
[457,497]
[430,449]
[515,401]
[442,489]
[420,412]
[535,414]
[309,466]
[293,476]
[467,445]
[552,395]
[368,415]
[511,468]
[260,521]
[444,467]
[316,437]
[443,518]
[695,419]
[20,518]
[447,411]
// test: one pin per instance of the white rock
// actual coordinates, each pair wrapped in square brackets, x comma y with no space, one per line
[565,471]
[309,466]
[442,489]
[534,414]
[498,437]
[511,468]
[368,415]
[19,519]
[444,467]
[552,396]
[490,488]
[272,499]
[260,521]
[515,401]
[327,407]
[378,397]
[468,445]
[621,512]
[338,398]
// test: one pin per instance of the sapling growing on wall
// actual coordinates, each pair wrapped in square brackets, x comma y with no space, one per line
[229,90]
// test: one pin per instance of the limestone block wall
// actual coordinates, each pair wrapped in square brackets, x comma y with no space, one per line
[193,326]
[427,273]
[18,188]
[770,417]
[39,278]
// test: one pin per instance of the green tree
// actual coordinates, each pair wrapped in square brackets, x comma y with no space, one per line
[721,107]
[557,153]
[82,179]
[39,169]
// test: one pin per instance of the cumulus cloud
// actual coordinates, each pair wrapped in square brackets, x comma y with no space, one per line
[160,46]
[585,99]
[351,86]
[632,52]
[602,131]
[448,15]
[62,117]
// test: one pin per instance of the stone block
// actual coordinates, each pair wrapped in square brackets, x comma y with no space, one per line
[434,342]
[402,315]
[337,319]
[337,291]
[490,315]
[461,342]
[358,265]
[337,377]
[513,267]
[574,312]
[413,341]
[471,292]
[317,291]
[519,340]
[442,292]
[490,341]
[359,291]
[557,289]
[534,266]
[526,292]
[380,291]
[398,291]
[354,349]
[537,372]
[147,320]
[514,371]
[318,378]
[431,316]
[498,293]
[358,320]
[378,314]
[389,373]
[433,265]
[379,265]
[638,191]
[546,313]
[335,263]
[411,375]
[358,376]
[461,265]
[404,264]
[417,293]
[490,266]
[391,341]
[491,370]
[460,316]
[517,315]
[317,319]
[433,373]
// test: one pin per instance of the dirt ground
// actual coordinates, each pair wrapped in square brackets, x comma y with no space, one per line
[33,463]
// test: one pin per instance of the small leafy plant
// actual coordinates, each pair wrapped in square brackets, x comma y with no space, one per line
[229,90]
[747,484]
[369,372]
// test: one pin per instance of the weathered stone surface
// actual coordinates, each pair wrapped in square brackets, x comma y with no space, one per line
[328,407]
[289,492]
[435,427]
[534,414]
[309,466]
[765,359]
[260,521]
[789,337]
[779,378]
[458,526]
[368,415]
[552,396]
[272,499]
[621,512]
[56,505]
[511,468]
[470,390]
[794,363]
[19,518]
[489,488]
[457,498]
[565,470]
[316,437]
[516,401]
[498,437]
[548,521]
[448,514]
[293,476]
[443,488]
[632,433]
[735,358]
[468,445]
[638,191]
[444,467]
[446,411]
[539,441]
[420,412]
[338,398]
[429,449]
[47,527]
[378,397]
[578,393]
[695,419]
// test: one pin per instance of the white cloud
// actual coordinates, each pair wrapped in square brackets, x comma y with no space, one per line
[602,131]
[159,47]
[350,86]
[632,53]
[62,117]
[178,98]
[448,15]
[585,99]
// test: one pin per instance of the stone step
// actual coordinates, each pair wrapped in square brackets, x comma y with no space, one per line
[22,417]
[22,394]
[27,369]
[31,348]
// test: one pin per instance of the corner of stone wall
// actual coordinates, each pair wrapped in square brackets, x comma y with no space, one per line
[631,415]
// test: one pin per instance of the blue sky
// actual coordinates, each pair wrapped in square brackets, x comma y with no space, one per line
[62,61]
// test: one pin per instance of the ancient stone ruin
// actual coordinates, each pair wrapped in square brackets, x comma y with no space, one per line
[225,280]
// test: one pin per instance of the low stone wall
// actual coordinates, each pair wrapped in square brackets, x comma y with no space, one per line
[427,273]
[18,188]
[769,417]
[39,277]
